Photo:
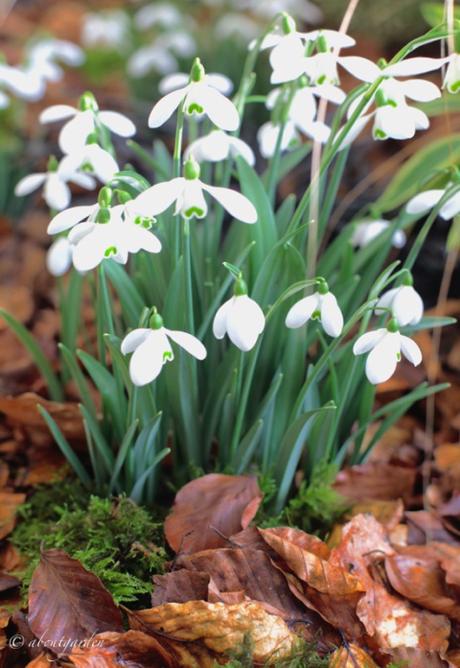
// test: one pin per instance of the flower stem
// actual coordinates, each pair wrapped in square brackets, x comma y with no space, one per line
[188,275]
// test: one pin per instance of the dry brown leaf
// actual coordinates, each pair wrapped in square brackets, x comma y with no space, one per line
[209,509]
[67,601]
[413,657]
[388,513]
[41,661]
[416,574]
[297,538]
[219,629]
[132,649]
[447,456]
[351,657]
[425,526]
[8,582]
[9,503]
[180,586]
[22,410]
[18,301]
[376,481]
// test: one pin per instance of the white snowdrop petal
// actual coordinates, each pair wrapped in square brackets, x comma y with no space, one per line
[151,58]
[157,198]
[290,50]
[103,163]
[59,257]
[411,66]
[148,359]
[386,299]
[424,201]
[56,193]
[382,360]
[164,108]
[89,252]
[318,131]
[28,184]
[451,208]
[407,306]
[188,342]
[411,350]
[421,90]
[192,203]
[74,134]
[117,123]
[220,82]
[360,68]
[355,130]
[79,231]
[331,315]
[173,82]
[421,120]
[220,110]
[219,325]
[239,147]
[244,322]
[399,239]
[330,93]
[68,218]
[57,112]
[83,180]
[368,341]
[134,339]
[302,311]
[394,122]
[213,147]
[334,38]
[234,202]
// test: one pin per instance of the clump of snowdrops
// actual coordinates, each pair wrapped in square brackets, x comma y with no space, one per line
[236,330]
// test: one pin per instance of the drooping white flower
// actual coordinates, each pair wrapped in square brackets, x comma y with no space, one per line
[200,96]
[217,146]
[237,26]
[267,137]
[159,14]
[430,198]
[160,56]
[19,83]
[83,121]
[94,158]
[100,232]
[385,346]
[43,58]
[301,9]
[188,193]
[59,257]
[241,318]
[152,349]
[320,305]
[404,302]
[178,80]
[452,75]
[368,230]
[108,29]
[56,192]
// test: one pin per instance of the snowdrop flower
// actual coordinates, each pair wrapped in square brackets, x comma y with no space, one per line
[241,318]
[109,28]
[43,58]
[159,57]
[83,122]
[321,305]
[289,61]
[152,349]
[178,80]
[23,85]
[302,9]
[59,257]
[161,13]
[452,75]
[99,232]
[217,146]
[404,302]
[188,194]
[385,346]
[267,137]
[237,26]
[368,230]
[428,199]
[93,158]
[56,192]
[200,96]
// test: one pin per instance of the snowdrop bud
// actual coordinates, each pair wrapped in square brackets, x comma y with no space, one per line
[191,169]
[123,196]
[321,305]
[404,302]
[240,287]
[53,164]
[287,24]
[197,73]
[321,44]
[103,216]
[104,198]
[156,321]
[87,102]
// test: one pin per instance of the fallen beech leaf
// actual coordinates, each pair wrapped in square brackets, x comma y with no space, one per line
[219,628]
[425,526]
[22,410]
[4,474]
[67,601]
[214,502]
[296,538]
[413,657]
[41,661]
[179,587]
[307,566]
[251,571]
[9,502]
[447,456]
[415,574]
[375,480]
[132,649]
[351,657]
[18,301]
[388,513]
[8,582]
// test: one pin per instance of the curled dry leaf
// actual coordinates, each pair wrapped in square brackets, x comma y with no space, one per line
[209,509]
[425,526]
[416,574]
[9,503]
[22,410]
[67,601]
[8,582]
[297,539]
[218,629]
[132,649]
[351,657]
[375,480]
[180,586]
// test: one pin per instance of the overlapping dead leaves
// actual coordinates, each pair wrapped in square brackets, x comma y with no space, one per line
[370,597]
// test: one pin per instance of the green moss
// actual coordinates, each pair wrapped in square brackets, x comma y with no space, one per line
[304,655]
[117,540]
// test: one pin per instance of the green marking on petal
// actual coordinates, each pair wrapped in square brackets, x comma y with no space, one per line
[316,315]
[454,87]
[194,108]
[194,211]
[398,356]
[322,79]
[380,134]
[167,356]
[111,250]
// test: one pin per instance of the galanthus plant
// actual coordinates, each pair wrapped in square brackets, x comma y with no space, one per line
[236,329]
